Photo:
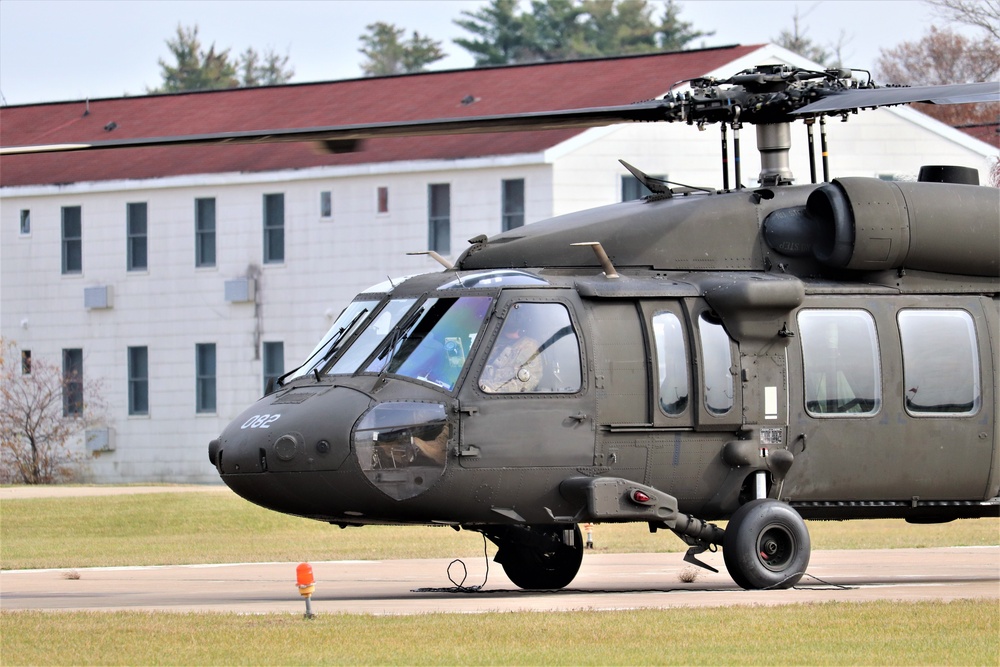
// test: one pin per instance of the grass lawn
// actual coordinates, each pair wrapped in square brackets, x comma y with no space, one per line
[180,528]
[219,527]
[878,633]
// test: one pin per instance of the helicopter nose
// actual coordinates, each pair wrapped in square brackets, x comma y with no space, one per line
[305,429]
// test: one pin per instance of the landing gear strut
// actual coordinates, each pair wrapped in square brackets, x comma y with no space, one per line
[766,545]
[538,557]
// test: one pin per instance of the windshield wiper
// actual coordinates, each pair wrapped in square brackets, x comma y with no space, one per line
[334,346]
[397,335]
[327,359]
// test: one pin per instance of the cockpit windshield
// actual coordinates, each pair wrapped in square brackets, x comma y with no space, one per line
[429,342]
[349,320]
[434,342]
[380,327]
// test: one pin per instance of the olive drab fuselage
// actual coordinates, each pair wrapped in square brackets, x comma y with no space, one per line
[756,344]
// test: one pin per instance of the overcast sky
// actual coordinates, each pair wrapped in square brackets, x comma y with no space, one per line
[53,50]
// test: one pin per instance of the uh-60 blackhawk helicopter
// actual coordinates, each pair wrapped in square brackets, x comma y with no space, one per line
[760,355]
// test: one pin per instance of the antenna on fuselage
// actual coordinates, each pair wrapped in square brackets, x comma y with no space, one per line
[609,268]
[436,257]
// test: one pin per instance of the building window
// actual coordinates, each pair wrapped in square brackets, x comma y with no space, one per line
[205,377]
[383,199]
[671,361]
[204,232]
[72,382]
[513,204]
[72,239]
[25,222]
[25,362]
[274,363]
[940,362]
[633,189]
[326,204]
[439,218]
[136,236]
[138,381]
[274,228]
[840,363]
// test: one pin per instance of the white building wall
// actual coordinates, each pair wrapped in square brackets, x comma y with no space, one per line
[173,305]
[882,143]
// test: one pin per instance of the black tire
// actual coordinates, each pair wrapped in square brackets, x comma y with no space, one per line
[547,564]
[766,545]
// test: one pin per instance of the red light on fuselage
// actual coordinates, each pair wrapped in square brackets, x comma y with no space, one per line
[640,497]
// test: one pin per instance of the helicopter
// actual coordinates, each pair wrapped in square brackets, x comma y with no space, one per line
[757,355]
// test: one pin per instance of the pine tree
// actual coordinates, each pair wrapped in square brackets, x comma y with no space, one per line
[570,29]
[195,69]
[388,53]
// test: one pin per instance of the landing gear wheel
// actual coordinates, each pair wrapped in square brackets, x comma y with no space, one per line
[766,545]
[536,557]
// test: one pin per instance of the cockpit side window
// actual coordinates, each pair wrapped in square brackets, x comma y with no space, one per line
[537,351]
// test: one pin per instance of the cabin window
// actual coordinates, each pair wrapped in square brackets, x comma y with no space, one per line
[25,221]
[671,362]
[204,231]
[138,381]
[325,204]
[136,232]
[72,240]
[439,218]
[513,204]
[940,362]
[717,364]
[537,351]
[840,361]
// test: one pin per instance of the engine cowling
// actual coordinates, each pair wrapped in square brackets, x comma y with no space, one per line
[866,224]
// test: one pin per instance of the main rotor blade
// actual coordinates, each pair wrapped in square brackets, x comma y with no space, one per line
[341,135]
[962,93]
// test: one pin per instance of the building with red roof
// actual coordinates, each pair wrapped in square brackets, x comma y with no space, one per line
[184,277]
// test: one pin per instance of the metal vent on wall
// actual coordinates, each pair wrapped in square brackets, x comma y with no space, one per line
[99,297]
[100,439]
[240,290]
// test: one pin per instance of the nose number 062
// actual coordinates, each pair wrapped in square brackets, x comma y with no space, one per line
[260,421]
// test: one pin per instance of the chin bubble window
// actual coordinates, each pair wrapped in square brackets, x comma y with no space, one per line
[403,447]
